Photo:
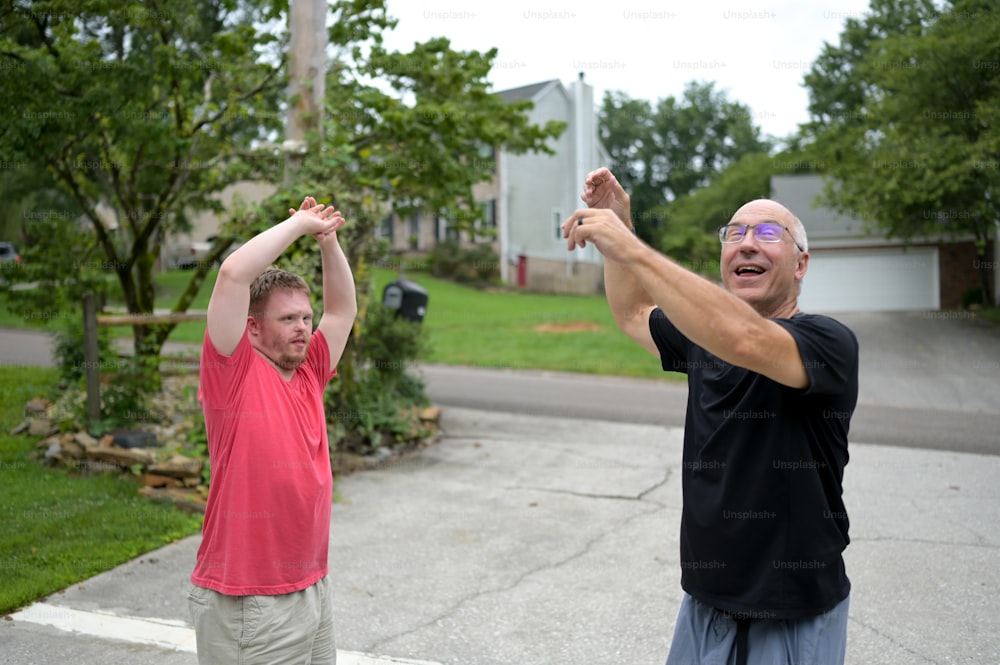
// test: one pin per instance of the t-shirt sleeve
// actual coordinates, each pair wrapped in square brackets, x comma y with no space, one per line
[220,375]
[829,352]
[673,346]
[318,360]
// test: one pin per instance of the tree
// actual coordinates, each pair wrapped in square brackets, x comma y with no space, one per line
[904,112]
[663,152]
[140,112]
[404,133]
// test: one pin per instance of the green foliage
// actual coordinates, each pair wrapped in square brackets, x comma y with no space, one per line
[127,392]
[197,438]
[377,406]
[69,350]
[468,264]
[389,342]
[138,116]
[665,151]
[973,297]
[904,114]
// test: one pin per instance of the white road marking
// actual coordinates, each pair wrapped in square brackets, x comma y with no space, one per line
[165,633]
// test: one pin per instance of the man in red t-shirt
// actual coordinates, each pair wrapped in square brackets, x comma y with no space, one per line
[261,593]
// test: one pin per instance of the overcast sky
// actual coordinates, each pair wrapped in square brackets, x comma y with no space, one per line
[757,51]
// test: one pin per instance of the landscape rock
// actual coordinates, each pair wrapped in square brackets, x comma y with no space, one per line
[431,414]
[156,480]
[123,457]
[179,466]
[53,454]
[85,439]
[36,406]
[41,427]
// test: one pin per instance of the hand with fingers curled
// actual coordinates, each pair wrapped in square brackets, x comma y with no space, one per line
[601,189]
[602,227]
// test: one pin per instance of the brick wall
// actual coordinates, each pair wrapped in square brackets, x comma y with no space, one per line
[960,269]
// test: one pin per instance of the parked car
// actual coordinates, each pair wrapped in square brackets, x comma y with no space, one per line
[188,255]
[8,255]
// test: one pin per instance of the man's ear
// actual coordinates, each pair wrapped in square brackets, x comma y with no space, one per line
[802,265]
[252,326]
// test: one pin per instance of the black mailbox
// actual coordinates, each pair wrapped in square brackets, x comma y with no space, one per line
[408,299]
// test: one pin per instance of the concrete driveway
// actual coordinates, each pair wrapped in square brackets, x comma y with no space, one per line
[943,361]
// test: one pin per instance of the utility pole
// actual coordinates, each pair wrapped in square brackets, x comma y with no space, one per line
[306,78]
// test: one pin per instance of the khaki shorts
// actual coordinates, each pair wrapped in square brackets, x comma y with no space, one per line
[264,630]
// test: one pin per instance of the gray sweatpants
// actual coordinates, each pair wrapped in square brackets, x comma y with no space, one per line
[706,636]
[264,630]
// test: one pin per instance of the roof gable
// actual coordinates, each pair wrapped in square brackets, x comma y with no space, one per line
[529,92]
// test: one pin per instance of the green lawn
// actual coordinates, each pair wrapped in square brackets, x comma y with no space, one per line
[60,528]
[506,329]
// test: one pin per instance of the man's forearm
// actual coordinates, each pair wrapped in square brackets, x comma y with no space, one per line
[339,294]
[255,255]
[709,316]
[626,296]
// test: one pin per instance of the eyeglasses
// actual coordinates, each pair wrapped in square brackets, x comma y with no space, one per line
[765,232]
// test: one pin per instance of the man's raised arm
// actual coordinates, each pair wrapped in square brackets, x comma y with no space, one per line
[230,301]
[629,302]
[340,302]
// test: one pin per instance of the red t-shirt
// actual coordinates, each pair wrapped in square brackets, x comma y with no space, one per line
[267,522]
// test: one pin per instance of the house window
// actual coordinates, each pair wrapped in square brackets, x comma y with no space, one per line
[490,214]
[443,230]
[414,237]
[557,220]
[385,229]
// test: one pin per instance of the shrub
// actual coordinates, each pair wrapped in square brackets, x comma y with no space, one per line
[375,400]
[465,264]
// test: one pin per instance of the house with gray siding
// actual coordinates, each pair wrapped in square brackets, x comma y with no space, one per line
[530,195]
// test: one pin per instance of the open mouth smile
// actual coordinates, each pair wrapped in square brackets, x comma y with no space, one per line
[749,270]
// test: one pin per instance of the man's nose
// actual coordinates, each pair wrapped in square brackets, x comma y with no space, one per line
[748,237]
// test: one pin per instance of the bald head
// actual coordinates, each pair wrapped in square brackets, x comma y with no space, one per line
[768,208]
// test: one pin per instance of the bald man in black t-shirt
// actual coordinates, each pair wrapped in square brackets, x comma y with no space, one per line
[771,394]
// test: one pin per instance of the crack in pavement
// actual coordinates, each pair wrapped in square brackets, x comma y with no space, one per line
[587,546]
[641,496]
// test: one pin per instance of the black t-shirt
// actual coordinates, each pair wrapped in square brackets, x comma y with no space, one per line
[763,526]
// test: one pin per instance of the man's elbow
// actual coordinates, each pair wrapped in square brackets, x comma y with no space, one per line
[636,328]
[231,270]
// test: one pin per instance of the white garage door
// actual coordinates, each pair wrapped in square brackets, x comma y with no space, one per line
[871,280]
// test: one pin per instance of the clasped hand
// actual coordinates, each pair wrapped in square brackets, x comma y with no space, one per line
[318,220]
